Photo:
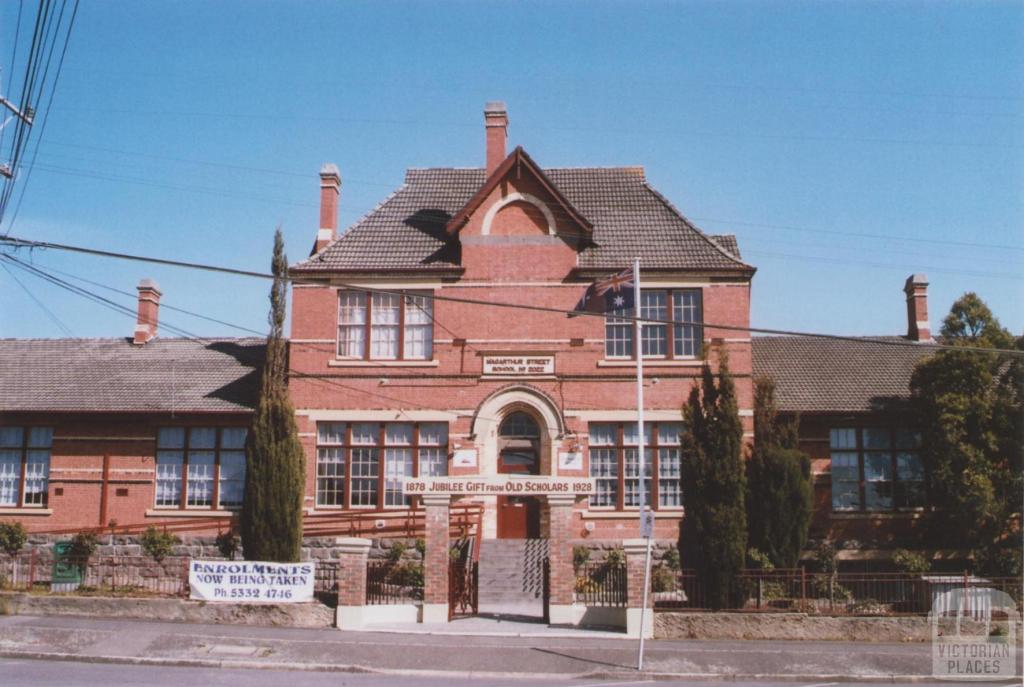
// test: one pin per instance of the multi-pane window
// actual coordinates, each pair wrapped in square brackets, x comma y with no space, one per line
[25,465]
[875,469]
[385,326]
[659,340]
[200,467]
[349,468]
[615,465]
[352,324]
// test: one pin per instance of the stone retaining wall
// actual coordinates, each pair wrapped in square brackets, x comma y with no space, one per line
[800,626]
[309,615]
[193,546]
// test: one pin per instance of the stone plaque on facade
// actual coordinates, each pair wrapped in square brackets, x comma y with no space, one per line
[518,365]
[499,485]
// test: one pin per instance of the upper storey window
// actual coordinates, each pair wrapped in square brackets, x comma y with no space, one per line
[660,340]
[385,326]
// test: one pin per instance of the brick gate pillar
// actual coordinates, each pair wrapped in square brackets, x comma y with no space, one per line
[562,578]
[636,557]
[352,554]
[435,563]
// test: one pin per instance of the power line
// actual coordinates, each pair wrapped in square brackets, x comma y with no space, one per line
[85,293]
[46,114]
[24,243]
[42,306]
[555,210]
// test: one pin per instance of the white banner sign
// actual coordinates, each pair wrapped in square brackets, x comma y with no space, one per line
[251,581]
[501,485]
[518,365]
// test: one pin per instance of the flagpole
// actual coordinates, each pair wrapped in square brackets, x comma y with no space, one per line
[642,457]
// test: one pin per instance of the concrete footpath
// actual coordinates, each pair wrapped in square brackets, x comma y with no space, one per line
[226,646]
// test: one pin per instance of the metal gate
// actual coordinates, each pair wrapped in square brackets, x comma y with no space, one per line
[463,583]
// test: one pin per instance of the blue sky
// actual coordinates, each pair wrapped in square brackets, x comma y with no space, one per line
[846,144]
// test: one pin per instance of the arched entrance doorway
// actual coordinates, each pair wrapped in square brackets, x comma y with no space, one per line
[519,439]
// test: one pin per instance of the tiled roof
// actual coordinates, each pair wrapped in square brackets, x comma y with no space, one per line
[828,375]
[728,242]
[180,375]
[407,230]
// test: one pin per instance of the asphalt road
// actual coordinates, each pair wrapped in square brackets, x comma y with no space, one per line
[151,649]
[31,673]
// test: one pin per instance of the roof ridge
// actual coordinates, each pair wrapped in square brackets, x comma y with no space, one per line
[691,225]
[640,168]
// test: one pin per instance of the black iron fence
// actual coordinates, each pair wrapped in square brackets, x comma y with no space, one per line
[832,593]
[127,575]
[388,582]
[601,584]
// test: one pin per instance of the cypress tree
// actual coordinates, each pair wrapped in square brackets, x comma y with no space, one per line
[275,476]
[779,492]
[713,536]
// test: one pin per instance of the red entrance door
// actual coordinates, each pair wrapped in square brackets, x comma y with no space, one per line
[518,516]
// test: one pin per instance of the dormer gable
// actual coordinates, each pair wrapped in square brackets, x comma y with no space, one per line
[519,185]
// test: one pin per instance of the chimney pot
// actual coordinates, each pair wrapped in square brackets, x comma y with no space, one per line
[496,128]
[330,189]
[148,311]
[916,288]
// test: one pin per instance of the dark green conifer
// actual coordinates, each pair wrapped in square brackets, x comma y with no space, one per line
[271,523]
[779,492]
[713,537]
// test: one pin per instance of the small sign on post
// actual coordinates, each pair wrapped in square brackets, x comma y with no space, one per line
[647,523]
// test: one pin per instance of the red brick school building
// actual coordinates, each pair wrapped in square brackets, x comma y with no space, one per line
[402,366]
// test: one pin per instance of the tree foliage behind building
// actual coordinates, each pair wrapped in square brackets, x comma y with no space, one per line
[713,536]
[969,408]
[271,523]
[779,493]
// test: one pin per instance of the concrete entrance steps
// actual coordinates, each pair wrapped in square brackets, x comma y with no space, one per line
[511,573]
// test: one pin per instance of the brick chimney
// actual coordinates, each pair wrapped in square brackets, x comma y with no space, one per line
[330,189]
[496,124]
[916,289]
[149,311]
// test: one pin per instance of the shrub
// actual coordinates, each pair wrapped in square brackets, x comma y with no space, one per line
[158,544]
[580,556]
[825,557]
[421,547]
[756,560]
[83,546]
[12,537]
[406,574]
[670,559]
[586,585]
[615,557]
[910,562]
[662,579]
[227,544]
[396,551]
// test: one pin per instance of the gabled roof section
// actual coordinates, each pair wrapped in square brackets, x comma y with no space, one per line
[407,232]
[114,375]
[517,162]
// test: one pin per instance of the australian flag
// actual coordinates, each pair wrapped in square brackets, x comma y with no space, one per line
[605,295]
